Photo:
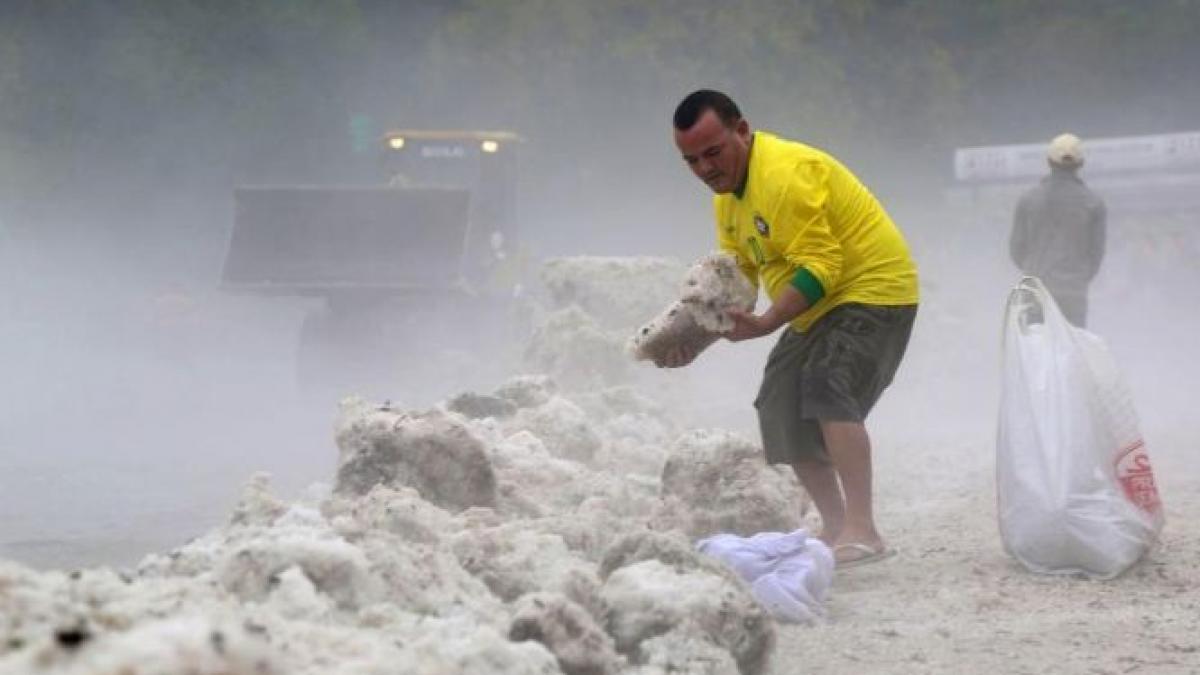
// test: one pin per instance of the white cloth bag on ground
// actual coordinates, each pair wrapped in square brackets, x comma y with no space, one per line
[789,573]
[1075,491]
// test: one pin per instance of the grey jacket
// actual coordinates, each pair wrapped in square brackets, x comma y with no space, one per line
[1058,232]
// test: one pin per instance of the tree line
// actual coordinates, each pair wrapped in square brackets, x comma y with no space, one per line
[219,92]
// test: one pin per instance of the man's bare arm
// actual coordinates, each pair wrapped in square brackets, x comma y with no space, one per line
[790,304]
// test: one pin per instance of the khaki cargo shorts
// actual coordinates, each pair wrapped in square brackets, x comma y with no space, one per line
[834,372]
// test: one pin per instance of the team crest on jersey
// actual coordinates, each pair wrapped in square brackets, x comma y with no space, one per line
[761,225]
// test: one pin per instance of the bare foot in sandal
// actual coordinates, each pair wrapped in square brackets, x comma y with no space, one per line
[853,554]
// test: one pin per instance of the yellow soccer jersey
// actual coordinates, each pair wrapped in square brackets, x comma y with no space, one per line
[800,208]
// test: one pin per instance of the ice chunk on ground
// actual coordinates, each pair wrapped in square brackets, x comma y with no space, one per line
[479,406]
[353,565]
[402,568]
[431,452]
[676,652]
[571,346]
[193,645]
[481,651]
[636,431]
[619,292]
[527,391]
[532,481]
[716,481]
[399,511]
[514,561]
[294,596]
[562,426]
[335,567]
[257,505]
[568,631]
[648,599]
[669,548]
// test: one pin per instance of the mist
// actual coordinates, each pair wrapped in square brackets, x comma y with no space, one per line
[138,396]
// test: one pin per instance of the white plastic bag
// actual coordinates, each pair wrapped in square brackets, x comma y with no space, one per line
[1075,491]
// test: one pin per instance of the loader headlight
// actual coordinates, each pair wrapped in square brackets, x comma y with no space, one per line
[489,146]
[396,142]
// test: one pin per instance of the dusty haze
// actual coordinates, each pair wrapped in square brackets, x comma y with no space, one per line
[137,397]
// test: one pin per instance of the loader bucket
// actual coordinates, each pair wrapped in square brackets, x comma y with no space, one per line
[317,240]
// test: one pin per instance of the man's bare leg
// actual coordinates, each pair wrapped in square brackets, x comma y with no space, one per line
[850,449]
[821,481]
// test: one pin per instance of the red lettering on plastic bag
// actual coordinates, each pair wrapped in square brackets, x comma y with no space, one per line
[1137,479]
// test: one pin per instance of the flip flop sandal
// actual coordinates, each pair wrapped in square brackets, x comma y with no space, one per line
[870,555]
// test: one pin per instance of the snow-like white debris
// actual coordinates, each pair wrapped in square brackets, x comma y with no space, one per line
[670,548]
[648,599]
[478,406]
[527,391]
[716,481]
[398,511]
[673,327]
[562,426]
[338,569]
[713,285]
[636,430]
[544,527]
[618,292]
[533,482]
[678,652]
[482,651]
[193,645]
[429,451]
[257,505]
[694,321]
[570,345]
[513,561]
[567,630]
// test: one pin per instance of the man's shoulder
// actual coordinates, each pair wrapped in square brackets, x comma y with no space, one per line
[1034,192]
[779,149]
[1080,191]
[783,161]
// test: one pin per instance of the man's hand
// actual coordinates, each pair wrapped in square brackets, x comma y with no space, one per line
[676,357]
[747,326]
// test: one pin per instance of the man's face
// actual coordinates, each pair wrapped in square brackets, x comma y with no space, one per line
[717,154]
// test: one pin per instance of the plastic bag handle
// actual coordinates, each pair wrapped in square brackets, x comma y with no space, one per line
[1027,294]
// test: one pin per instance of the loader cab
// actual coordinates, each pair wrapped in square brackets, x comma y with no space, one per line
[484,163]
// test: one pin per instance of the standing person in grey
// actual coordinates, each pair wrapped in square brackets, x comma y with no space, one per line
[1059,230]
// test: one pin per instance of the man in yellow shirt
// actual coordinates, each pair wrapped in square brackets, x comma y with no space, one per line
[839,274]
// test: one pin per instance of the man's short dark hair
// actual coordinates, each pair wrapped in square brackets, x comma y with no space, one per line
[694,104]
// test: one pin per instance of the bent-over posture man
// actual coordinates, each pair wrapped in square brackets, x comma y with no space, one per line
[839,276]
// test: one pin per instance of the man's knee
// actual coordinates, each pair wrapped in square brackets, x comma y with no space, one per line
[835,429]
[813,465]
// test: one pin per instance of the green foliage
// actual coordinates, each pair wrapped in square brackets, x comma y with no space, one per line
[270,85]
[870,69]
[145,85]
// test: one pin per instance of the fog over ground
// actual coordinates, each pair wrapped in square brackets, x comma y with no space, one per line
[137,397]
